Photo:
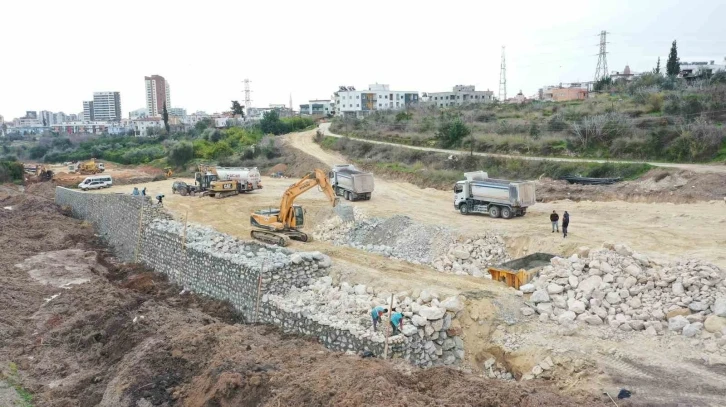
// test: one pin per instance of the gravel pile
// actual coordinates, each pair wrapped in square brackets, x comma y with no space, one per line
[401,238]
[630,292]
[429,324]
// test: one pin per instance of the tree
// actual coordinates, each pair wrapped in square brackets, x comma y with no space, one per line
[657,67]
[452,132]
[203,124]
[271,123]
[673,66]
[181,153]
[165,116]
[238,109]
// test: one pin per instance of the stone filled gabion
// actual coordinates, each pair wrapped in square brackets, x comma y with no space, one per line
[399,237]
[630,291]
[430,331]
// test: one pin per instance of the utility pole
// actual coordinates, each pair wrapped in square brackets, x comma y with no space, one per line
[503,79]
[291,105]
[602,61]
[248,97]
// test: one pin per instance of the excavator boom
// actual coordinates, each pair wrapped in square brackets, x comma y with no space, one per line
[279,227]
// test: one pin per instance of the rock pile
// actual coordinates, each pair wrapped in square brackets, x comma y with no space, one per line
[430,326]
[401,238]
[473,256]
[630,292]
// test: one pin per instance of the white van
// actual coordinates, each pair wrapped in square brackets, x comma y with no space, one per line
[106,179]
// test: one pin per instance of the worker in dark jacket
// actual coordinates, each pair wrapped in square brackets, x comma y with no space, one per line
[565,223]
[554,218]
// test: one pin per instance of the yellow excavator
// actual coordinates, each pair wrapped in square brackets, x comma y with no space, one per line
[278,226]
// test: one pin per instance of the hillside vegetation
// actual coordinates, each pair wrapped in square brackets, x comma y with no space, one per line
[438,170]
[652,117]
[252,145]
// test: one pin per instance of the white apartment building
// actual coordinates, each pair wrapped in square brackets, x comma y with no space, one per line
[460,95]
[700,67]
[352,102]
[157,94]
[317,107]
[177,111]
[87,111]
[106,106]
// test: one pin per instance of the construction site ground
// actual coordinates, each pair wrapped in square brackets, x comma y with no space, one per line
[122,174]
[593,360]
[78,328]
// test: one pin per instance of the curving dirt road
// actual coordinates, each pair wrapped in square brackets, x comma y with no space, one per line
[697,230]
[701,168]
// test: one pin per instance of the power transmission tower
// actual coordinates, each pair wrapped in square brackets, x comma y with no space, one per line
[248,97]
[503,79]
[602,61]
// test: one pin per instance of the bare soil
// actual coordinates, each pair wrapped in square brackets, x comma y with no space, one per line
[127,337]
[122,174]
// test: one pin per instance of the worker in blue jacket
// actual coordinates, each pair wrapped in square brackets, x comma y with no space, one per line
[397,322]
[376,314]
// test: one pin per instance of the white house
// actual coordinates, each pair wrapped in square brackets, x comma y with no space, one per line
[352,102]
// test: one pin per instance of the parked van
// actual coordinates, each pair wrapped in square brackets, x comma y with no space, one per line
[106,179]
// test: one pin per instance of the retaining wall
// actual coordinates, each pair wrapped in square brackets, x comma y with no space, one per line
[226,268]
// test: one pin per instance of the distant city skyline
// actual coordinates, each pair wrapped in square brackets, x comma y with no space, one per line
[546,43]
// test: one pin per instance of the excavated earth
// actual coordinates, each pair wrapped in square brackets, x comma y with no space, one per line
[78,328]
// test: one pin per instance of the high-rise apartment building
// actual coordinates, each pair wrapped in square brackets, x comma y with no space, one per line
[106,106]
[157,94]
[88,111]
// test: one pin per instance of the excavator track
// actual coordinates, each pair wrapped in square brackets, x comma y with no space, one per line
[270,237]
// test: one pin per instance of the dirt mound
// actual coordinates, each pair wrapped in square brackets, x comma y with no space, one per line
[277,168]
[659,185]
[299,163]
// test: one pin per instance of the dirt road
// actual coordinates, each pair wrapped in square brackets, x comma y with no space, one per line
[697,230]
[700,168]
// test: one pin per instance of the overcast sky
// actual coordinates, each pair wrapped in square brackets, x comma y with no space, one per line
[55,54]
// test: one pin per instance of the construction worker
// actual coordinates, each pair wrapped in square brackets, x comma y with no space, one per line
[135,192]
[397,323]
[159,199]
[143,192]
[376,314]
[565,223]
[554,218]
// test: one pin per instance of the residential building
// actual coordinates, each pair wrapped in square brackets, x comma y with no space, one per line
[88,111]
[352,102]
[256,113]
[699,68]
[138,113]
[157,94]
[46,117]
[60,117]
[107,106]
[460,95]
[567,94]
[80,127]
[2,120]
[72,118]
[30,114]
[518,99]
[626,74]
[177,111]
[141,126]
[317,107]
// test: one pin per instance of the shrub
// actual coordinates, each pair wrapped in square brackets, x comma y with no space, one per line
[452,132]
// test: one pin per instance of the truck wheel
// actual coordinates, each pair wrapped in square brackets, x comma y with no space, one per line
[347,195]
[506,213]
[464,209]
[494,211]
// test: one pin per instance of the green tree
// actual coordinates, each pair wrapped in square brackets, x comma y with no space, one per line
[452,132]
[673,66]
[165,116]
[237,109]
[271,123]
[203,124]
[603,84]
[657,67]
[181,153]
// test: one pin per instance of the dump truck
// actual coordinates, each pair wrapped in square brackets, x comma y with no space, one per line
[497,197]
[350,183]
[518,272]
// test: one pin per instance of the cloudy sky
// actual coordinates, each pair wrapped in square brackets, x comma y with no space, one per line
[57,53]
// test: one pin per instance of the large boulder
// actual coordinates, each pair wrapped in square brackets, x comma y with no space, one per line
[588,285]
[555,289]
[527,288]
[692,330]
[714,324]
[409,330]
[539,296]
[576,306]
[432,313]
[418,320]
[677,323]
[453,304]
[719,307]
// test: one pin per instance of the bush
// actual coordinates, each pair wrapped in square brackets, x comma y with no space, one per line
[11,171]
[181,153]
[655,102]
[452,132]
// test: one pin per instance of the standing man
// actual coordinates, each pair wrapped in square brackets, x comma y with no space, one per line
[376,314]
[143,192]
[397,323]
[159,198]
[565,223]
[554,218]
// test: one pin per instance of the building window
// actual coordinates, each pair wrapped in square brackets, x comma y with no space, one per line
[357,105]
[357,97]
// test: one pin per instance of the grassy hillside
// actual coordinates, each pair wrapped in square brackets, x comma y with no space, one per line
[652,117]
